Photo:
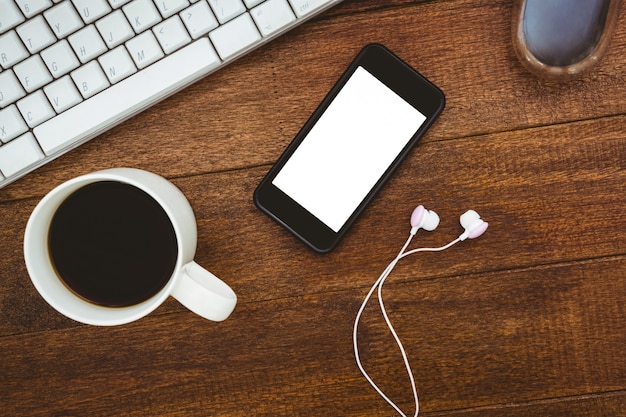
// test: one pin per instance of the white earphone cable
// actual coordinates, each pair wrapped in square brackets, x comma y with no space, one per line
[379,285]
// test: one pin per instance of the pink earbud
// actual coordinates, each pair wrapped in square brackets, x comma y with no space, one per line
[423,219]
[472,223]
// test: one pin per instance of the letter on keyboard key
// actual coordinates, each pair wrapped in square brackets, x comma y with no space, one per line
[19,154]
[141,14]
[144,49]
[60,59]
[114,29]
[87,43]
[32,73]
[35,108]
[117,64]
[127,97]
[63,19]
[170,7]
[90,79]
[36,34]
[62,94]
[90,10]
[12,50]
[11,124]
[235,36]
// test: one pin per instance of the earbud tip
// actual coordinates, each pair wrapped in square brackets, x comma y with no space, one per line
[417,216]
[478,231]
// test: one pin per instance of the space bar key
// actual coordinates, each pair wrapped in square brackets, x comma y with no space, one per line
[126,98]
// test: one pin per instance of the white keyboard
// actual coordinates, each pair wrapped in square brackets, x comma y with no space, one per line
[72,69]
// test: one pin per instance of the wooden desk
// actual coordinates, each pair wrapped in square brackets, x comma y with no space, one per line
[528,320]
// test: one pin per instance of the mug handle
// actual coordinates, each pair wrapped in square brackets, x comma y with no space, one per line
[204,293]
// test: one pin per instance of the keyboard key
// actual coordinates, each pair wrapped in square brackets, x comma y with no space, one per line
[117,3]
[87,43]
[35,108]
[144,49]
[36,34]
[305,7]
[93,116]
[10,16]
[90,79]
[32,7]
[235,36]
[272,16]
[171,7]
[19,154]
[117,64]
[62,94]
[226,10]
[115,29]
[251,3]
[32,73]
[12,50]
[11,124]
[63,19]
[142,15]
[91,10]
[171,34]
[10,88]
[60,59]
[199,19]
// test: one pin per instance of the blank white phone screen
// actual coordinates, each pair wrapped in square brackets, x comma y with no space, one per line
[348,150]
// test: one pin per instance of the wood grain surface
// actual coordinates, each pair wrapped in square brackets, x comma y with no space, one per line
[528,320]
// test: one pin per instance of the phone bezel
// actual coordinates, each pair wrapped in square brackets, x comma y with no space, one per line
[402,80]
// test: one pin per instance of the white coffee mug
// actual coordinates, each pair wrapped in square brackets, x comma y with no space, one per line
[192,285]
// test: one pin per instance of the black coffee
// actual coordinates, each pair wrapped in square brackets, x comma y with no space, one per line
[112,244]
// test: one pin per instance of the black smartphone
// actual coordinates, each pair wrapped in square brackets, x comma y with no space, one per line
[347,150]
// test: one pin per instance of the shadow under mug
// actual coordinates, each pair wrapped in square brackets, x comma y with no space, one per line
[192,285]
